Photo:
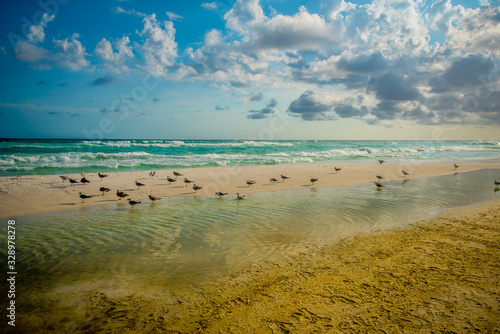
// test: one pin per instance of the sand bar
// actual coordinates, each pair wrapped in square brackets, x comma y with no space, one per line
[31,194]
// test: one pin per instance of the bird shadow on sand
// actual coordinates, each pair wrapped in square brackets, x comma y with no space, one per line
[67,204]
[105,200]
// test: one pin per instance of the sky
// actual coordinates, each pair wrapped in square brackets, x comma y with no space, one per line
[250,69]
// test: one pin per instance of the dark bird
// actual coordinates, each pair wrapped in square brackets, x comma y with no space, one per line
[379,177]
[337,169]
[132,203]
[455,165]
[238,197]
[381,161]
[220,194]
[138,184]
[186,181]
[63,177]
[170,180]
[496,183]
[250,182]
[196,188]
[72,181]
[121,194]
[102,176]
[283,177]
[312,179]
[104,190]
[177,174]
[152,174]
[83,197]
[379,185]
[154,198]
[84,180]
[272,180]
[405,173]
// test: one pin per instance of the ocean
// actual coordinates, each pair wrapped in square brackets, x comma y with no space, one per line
[57,156]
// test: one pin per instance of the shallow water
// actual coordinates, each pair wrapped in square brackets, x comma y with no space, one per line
[184,243]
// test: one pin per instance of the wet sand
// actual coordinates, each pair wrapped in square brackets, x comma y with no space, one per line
[438,276]
[34,194]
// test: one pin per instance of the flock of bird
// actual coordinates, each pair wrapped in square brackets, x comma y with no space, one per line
[121,194]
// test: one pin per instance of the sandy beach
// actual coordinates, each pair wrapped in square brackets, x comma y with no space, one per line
[31,194]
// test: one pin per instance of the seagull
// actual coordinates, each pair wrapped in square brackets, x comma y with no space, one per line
[379,177]
[379,185]
[83,174]
[312,179]
[154,198]
[132,203]
[72,181]
[238,197]
[250,182]
[338,169]
[170,180]
[496,183]
[152,174]
[381,161]
[455,165]
[272,180]
[84,180]
[121,194]
[196,188]
[177,174]
[405,173]
[220,194]
[104,190]
[83,197]
[63,177]
[138,184]
[102,176]
[283,177]
[186,181]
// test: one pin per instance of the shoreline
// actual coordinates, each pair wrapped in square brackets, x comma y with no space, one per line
[34,194]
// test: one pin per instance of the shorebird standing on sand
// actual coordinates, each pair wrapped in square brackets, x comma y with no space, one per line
[132,203]
[196,188]
[337,169]
[283,177]
[154,198]
[220,194]
[379,185]
[83,197]
[312,179]
[379,177]
[186,181]
[152,174]
[238,197]
[121,194]
[104,190]
[405,173]
[250,182]
[72,181]
[102,176]
[138,184]
[170,180]
[272,180]
[63,177]
[381,161]
[177,174]
[455,165]
[84,180]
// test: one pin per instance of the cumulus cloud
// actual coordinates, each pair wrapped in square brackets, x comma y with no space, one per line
[115,61]
[312,107]
[394,87]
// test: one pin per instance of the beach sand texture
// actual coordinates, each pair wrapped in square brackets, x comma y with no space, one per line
[31,194]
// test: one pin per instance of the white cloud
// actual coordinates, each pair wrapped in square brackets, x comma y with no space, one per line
[172,16]
[115,61]
[36,32]
[71,53]
[121,10]
[209,5]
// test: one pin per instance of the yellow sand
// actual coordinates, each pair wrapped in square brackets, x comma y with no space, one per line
[43,193]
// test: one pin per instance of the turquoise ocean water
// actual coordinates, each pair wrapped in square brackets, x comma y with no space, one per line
[18,157]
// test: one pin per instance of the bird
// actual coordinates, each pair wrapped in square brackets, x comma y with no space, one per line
[379,177]
[84,180]
[272,180]
[379,185]
[283,177]
[337,169]
[72,181]
[312,179]
[238,197]
[83,174]
[104,190]
[405,173]
[250,182]
[154,198]
[132,203]
[63,177]
[177,174]
[220,194]
[496,183]
[170,180]
[186,181]
[196,188]
[121,194]
[83,197]
[102,176]
[455,165]
[152,174]
[381,161]
[138,184]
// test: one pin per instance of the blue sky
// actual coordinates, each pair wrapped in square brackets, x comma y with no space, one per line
[269,69]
